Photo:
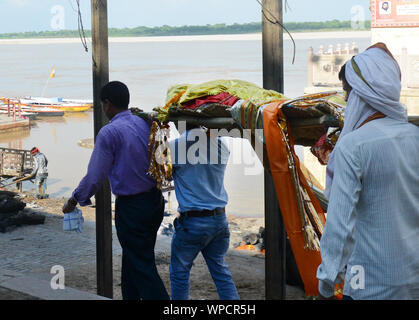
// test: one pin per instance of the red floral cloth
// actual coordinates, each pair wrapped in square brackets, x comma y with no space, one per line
[223,98]
[322,150]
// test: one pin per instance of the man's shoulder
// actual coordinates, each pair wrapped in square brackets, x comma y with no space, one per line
[106,129]
[384,128]
[379,130]
[119,123]
[224,144]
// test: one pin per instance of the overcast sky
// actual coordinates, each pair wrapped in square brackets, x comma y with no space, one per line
[39,15]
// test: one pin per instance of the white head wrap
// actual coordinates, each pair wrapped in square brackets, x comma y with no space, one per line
[374,76]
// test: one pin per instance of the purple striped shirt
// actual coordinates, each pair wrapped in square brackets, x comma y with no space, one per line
[120,153]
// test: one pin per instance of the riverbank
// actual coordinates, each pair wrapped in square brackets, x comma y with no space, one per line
[37,248]
[350,34]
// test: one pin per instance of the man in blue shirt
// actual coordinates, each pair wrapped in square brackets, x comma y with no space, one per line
[199,162]
[120,153]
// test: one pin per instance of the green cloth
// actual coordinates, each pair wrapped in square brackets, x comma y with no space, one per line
[239,88]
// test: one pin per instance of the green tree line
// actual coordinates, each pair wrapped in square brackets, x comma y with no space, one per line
[221,28]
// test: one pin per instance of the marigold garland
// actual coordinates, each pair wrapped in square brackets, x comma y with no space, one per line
[159,154]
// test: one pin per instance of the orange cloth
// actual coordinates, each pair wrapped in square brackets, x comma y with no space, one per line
[307,260]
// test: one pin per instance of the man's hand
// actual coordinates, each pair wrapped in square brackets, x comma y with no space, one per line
[69,205]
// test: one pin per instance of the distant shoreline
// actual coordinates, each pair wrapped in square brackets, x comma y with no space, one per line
[221,37]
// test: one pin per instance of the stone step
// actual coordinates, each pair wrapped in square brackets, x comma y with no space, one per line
[39,286]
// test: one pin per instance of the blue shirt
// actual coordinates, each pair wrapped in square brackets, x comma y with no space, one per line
[371,237]
[120,153]
[199,164]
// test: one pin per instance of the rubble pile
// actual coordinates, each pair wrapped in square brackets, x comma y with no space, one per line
[253,241]
[13,214]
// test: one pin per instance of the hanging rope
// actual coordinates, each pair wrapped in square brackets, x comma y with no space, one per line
[80,27]
[274,20]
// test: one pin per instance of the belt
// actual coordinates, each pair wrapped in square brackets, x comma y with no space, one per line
[203,213]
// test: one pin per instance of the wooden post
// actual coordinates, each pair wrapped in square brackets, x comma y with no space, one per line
[273,78]
[103,197]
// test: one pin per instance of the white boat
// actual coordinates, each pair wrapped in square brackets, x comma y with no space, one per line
[58,100]
[54,103]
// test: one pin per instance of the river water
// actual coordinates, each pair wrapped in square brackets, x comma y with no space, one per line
[149,69]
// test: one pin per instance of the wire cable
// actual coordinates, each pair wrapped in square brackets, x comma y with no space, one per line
[274,20]
[80,27]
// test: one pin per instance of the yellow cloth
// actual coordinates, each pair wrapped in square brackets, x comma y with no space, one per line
[239,88]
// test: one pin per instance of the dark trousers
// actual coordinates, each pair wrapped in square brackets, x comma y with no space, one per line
[137,220]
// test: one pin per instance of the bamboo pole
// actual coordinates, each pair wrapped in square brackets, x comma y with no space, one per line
[228,123]
[211,123]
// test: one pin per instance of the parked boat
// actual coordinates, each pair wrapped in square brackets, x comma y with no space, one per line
[65,105]
[39,112]
[45,112]
[29,115]
[59,105]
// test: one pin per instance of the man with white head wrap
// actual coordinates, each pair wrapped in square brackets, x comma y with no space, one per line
[371,237]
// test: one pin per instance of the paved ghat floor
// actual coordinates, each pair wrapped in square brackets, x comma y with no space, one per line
[29,252]
[38,248]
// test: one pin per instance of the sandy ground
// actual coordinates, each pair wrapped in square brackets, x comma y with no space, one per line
[247,267]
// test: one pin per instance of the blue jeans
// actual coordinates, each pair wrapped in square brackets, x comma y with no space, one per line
[211,236]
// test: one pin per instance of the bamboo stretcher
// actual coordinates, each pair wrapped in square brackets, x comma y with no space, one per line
[229,123]
[305,130]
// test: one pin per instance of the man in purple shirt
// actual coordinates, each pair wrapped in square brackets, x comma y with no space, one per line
[120,153]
